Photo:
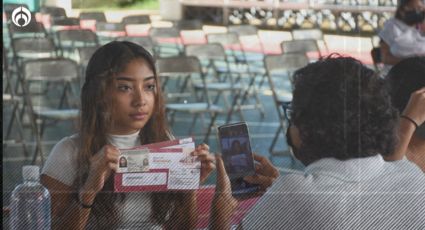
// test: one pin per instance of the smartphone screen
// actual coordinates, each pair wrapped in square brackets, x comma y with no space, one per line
[237,156]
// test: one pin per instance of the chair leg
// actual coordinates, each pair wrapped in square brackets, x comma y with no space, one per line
[234,105]
[193,123]
[276,136]
[38,147]
[212,123]
[12,119]
[19,128]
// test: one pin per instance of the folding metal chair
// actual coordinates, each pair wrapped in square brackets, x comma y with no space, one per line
[241,68]
[251,43]
[186,67]
[60,73]
[30,48]
[252,48]
[222,83]
[13,102]
[166,39]
[279,69]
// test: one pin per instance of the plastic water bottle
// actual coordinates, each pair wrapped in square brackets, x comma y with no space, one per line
[30,202]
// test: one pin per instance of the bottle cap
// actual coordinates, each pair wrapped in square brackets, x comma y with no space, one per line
[31,172]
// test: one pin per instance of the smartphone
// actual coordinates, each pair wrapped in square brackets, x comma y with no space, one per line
[237,157]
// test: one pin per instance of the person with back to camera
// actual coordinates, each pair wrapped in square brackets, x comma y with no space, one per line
[407,80]
[342,124]
[404,35]
[121,107]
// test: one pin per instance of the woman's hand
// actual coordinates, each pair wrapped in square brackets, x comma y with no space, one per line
[265,175]
[101,166]
[415,108]
[207,160]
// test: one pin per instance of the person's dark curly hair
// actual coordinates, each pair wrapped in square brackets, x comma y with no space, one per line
[342,110]
[405,78]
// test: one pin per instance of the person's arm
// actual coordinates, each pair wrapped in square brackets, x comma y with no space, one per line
[414,110]
[185,216]
[68,211]
[265,173]
[65,211]
[223,205]
[386,56]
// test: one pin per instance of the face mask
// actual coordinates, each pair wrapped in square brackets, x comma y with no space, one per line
[412,17]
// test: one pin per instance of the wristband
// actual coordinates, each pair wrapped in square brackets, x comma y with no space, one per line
[411,120]
[85,206]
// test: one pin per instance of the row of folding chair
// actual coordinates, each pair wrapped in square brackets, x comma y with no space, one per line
[41,80]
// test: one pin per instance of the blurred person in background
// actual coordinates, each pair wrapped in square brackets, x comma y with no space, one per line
[404,35]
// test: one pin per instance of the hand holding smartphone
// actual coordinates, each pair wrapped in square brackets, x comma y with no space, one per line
[238,158]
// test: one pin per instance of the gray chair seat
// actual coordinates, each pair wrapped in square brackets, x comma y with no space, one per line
[195,107]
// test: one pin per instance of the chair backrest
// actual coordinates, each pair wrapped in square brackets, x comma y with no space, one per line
[66,22]
[206,51]
[285,62]
[98,16]
[190,24]
[136,19]
[51,69]
[225,39]
[164,32]
[109,26]
[282,66]
[178,65]
[243,30]
[54,12]
[61,73]
[303,34]
[82,37]
[36,47]
[33,29]
[300,46]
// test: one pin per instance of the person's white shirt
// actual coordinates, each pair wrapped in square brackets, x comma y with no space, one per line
[360,193]
[62,165]
[404,40]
